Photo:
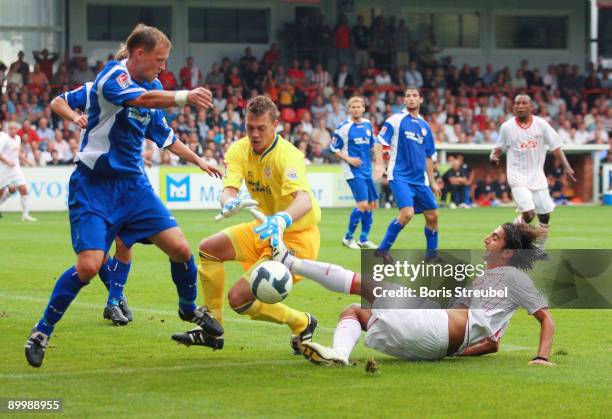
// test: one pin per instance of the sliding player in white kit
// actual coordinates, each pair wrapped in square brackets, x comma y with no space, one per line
[428,333]
[11,175]
[525,138]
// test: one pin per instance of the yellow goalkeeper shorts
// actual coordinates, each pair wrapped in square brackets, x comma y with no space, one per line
[251,250]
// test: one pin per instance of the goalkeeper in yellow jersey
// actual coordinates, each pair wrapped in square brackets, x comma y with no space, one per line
[275,176]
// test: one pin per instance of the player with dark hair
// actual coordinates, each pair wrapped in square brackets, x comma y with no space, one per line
[525,139]
[429,334]
[110,195]
[411,156]
[275,176]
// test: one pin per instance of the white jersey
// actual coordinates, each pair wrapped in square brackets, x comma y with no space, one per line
[9,148]
[492,318]
[526,151]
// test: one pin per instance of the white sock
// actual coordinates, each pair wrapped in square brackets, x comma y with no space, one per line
[519,220]
[543,239]
[346,336]
[25,211]
[332,277]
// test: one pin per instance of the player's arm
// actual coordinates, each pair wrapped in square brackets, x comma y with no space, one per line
[485,346]
[560,155]
[547,331]
[186,154]
[60,106]
[498,149]
[429,169]
[379,164]
[430,152]
[300,205]
[199,97]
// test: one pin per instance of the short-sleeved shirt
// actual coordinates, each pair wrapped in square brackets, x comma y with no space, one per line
[9,149]
[526,151]
[411,142]
[355,139]
[112,143]
[489,317]
[271,177]
[158,130]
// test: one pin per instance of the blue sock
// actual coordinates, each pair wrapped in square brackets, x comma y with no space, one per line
[354,220]
[392,231]
[366,225]
[104,272]
[185,276]
[66,289]
[118,277]
[432,242]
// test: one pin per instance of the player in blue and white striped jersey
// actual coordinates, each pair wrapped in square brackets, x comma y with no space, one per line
[110,195]
[115,270]
[352,143]
[411,157]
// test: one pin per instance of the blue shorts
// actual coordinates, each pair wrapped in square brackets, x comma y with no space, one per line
[363,189]
[420,197]
[101,209]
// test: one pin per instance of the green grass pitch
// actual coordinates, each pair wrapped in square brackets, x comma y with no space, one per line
[137,371]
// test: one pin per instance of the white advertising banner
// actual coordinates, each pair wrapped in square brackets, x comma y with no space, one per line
[181,187]
[48,188]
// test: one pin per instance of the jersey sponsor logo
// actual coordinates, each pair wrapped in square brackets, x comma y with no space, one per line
[413,136]
[360,140]
[123,80]
[292,174]
[143,118]
[528,145]
[178,188]
[258,187]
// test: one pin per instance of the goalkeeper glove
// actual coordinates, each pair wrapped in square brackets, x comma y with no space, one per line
[234,206]
[273,227]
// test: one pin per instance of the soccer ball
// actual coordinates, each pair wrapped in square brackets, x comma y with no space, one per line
[271,282]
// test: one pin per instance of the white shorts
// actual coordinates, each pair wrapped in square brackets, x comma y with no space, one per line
[415,334]
[528,200]
[13,177]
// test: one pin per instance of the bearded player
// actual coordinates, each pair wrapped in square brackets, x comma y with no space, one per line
[275,176]
[525,139]
[411,157]
[430,334]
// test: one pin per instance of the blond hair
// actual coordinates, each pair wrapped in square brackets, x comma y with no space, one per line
[122,52]
[355,99]
[147,37]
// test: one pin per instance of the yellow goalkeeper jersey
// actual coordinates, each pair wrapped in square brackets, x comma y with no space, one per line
[271,177]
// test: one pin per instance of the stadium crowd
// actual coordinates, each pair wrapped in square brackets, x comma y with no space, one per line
[463,104]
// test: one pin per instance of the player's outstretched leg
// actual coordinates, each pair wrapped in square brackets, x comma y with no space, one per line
[353,320]
[65,291]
